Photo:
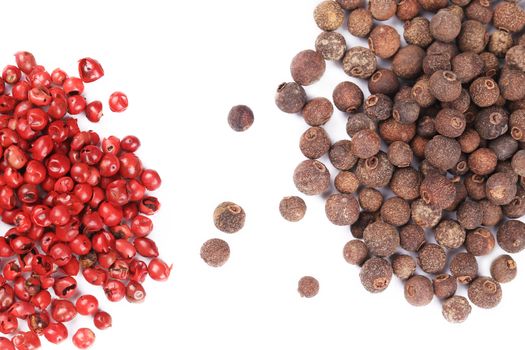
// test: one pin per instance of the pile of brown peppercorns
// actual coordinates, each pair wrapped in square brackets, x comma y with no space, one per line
[443,129]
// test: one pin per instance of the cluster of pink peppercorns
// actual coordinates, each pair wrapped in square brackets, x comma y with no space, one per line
[77,204]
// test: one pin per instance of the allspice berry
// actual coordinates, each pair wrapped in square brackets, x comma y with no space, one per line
[240,118]
[518,162]
[433,5]
[509,16]
[436,62]
[383,81]
[480,10]
[346,182]
[512,85]
[407,9]
[432,258]
[376,274]
[424,214]
[359,62]
[359,226]
[445,26]
[484,92]
[318,111]
[437,191]
[450,123]
[445,286]
[464,267]
[504,147]
[514,57]
[395,211]
[375,171]
[473,36]
[423,96]
[417,32]
[404,266]
[500,42]
[450,234]
[342,209]
[355,252]
[308,287]
[491,123]
[405,183]
[350,4]
[215,252]
[501,188]
[400,154]
[391,130]
[445,86]
[314,142]
[456,309]
[382,9]
[475,185]
[357,122]
[365,144]
[382,239]
[482,161]
[331,45]
[384,41]
[348,97]
[229,217]
[467,66]
[408,62]
[341,155]
[511,236]
[370,199]
[419,291]
[292,208]
[360,22]
[311,177]
[406,111]
[290,97]
[517,125]
[485,292]
[503,269]
[469,141]
[411,237]
[378,106]
[307,67]
[329,15]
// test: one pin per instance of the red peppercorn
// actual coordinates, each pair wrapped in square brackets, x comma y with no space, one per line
[58,76]
[138,271]
[8,323]
[59,215]
[56,333]
[159,270]
[65,287]
[87,305]
[6,344]
[20,90]
[26,341]
[63,310]
[76,104]
[40,96]
[84,338]
[141,226]
[130,166]
[135,293]
[11,74]
[146,247]
[114,290]
[21,309]
[25,61]
[125,249]
[94,111]
[90,70]
[130,143]
[73,86]
[39,77]
[41,300]
[149,205]
[150,179]
[102,320]
[118,102]
[96,276]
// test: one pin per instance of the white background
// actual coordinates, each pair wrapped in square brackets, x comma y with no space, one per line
[183,64]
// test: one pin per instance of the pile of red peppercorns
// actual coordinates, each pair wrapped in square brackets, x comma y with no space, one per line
[78,205]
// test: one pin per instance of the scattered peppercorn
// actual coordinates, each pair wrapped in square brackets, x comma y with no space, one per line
[329,15]
[419,291]
[229,217]
[456,309]
[404,266]
[376,274]
[370,199]
[318,111]
[480,242]
[342,209]
[292,208]
[382,239]
[503,269]
[215,252]
[359,62]
[355,252]
[347,97]
[311,177]
[331,45]
[450,234]
[290,97]
[485,292]
[307,67]
[240,118]
[308,287]
[432,258]
[445,286]
[314,142]
[384,41]
[464,267]
[511,236]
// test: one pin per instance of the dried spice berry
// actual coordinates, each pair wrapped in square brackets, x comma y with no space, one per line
[404,266]
[308,287]
[329,15]
[518,162]
[461,104]
[432,258]
[370,199]
[342,209]
[292,208]
[407,9]
[445,26]
[229,217]
[382,9]
[378,106]
[408,62]
[350,4]
[384,41]
[501,188]
[450,123]
[475,185]
[504,147]
[314,142]
[395,211]
[360,22]
[436,62]
[490,64]
[355,252]
[376,274]
[491,123]
[437,47]
[464,267]
[215,252]
[511,236]
[485,292]
[492,213]
[318,111]
[437,191]
[365,144]
[347,96]
[331,45]
[512,85]
[484,92]
[311,177]
[433,5]
[359,226]
[382,239]
[424,214]
[406,111]
[469,141]
[341,155]
[391,130]
[240,118]
[357,122]
[290,97]
[445,286]
[509,17]
[375,171]
[346,182]
[500,42]
[461,194]
[359,62]
[467,66]
[383,81]
[417,32]
[473,36]
[456,309]
[482,161]
[419,291]
[400,154]
[450,234]
[411,237]
[503,269]
[516,208]
[445,86]
[470,215]
[423,96]
[405,183]
[514,57]
[517,125]
[480,10]
[307,67]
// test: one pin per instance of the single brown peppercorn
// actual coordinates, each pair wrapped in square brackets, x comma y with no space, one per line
[384,41]
[400,154]
[357,122]
[480,242]
[473,36]
[404,266]
[450,234]
[515,57]
[516,208]
[370,199]
[511,236]
[475,185]
[461,194]
[411,237]
[376,274]
[501,188]
[342,209]
[418,145]
[438,47]
[378,107]
[492,213]
[518,162]
[425,215]
[517,125]
[229,217]
[456,309]
[433,5]
[500,42]
[359,62]
[292,208]
[484,92]
[470,215]
[408,62]
[375,171]
[482,161]
[382,239]
[417,32]
[445,286]
[360,22]
[391,130]
[469,141]
[504,147]
[432,258]
[485,292]
[491,123]
[308,287]
[240,118]
[503,269]
[406,111]
[318,111]
[311,177]
[329,15]
[509,16]
[464,267]
[331,45]
[506,167]
[450,123]
[405,183]
[467,66]
[419,291]
[426,125]
[480,10]
[341,155]
[445,86]
[436,62]
[445,26]
[512,84]
[314,142]
[365,218]
[307,67]
[355,252]
[423,96]
[290,97]
[407,9]
[382,9]
[365,144]
[461,104]
[490,64]
[350,4]
[437,191]
[215,252]
[348,97]
[383,81]
[346,182]
[395,211]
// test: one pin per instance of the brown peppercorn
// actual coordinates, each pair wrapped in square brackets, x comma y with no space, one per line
[480,242]
[404,266]
[445,26]
[370,199]
[311,177]
[348,97]
[378,107]
[461,168]
[360,22]
[445,86]
[473,36]
[375,171]
[438,47]
[509,16]
[400,154]
[355,252]
[215,252]
[501,188]
[405,183]
[229,217]
[467,66]
[341,155]
[365,218]
[517,125]
[342,209]
[470,215]
[469,141]
[433,5]
[407,9]
[491,123]
[331,45]
[376,274]
[485,292]
[382,9]
[425,215]
[480,10]
[346,182]
[518,162]
[461,104]
[318,111]
[307,67]
[365,144]
[382,239]
[314,142]
[492,213]
[515,57]
[411,237]
[406,111]
[490,64]
[329,15]
[475,185]
[359,62]
[437,191]
[482,161]
[384,41]
[395,211]
[456,309]
[290,97]
[383,81]
[292,208]
[436,62]
[516,208]
[357,122]
[511,236]
[432,258]
[445,286]
[484,92]
[504,147]
[464,267]
[350,4]
[500,42]
[418,145]
[408,62]
[461,194]
[503,269]
[422,95]
[391,130]
[450,123]
[240,118]
[417,32]
[308,287]
[419,291]
[450,234]
[512,84]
